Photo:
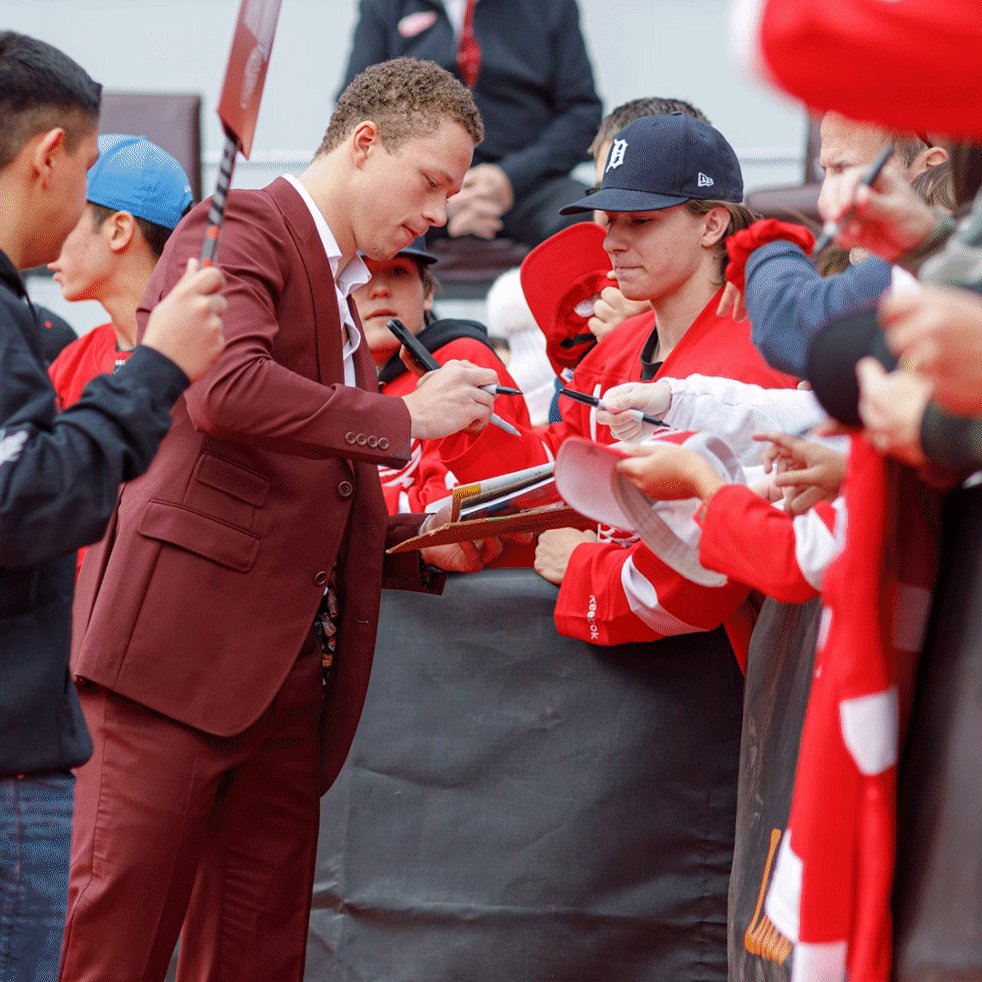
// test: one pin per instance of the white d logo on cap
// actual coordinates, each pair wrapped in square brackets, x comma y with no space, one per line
[617,151]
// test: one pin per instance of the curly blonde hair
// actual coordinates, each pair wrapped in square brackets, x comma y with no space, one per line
[404,97]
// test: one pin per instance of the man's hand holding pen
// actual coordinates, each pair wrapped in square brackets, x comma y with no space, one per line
[420,361]
[450,399]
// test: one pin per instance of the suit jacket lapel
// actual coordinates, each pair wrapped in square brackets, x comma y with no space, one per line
[326,334]
[366,374]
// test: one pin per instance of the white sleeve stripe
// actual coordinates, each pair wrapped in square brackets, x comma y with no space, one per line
[814,547]
[643,601]
[11,445]
[870,728]
[597,391]
[825,961]
[783,904]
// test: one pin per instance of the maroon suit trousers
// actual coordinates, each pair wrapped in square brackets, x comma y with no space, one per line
[174,827]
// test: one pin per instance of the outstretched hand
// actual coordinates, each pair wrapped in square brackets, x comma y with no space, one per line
[555,549]
[612,308]
[668,472]
[807,471]
[651,398]
[892,407]
[937,333]
[731,302]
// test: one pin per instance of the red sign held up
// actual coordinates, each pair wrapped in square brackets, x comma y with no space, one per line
[245,76]
[238,107]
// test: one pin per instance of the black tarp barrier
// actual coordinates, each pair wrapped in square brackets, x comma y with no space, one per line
[521,807]
[938,885]
[779,671]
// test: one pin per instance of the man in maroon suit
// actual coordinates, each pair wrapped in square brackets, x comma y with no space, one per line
[218,714]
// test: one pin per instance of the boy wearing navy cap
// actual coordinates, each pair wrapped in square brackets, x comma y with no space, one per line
[136,195]
[669,197]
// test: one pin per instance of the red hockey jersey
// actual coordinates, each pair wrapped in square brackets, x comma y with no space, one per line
[611,594]
[426,478]
[81,361]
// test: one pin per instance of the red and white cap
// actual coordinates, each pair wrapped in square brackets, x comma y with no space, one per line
[561,279]
[588,480]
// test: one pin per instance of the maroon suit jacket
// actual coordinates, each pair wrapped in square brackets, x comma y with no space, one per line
[198,600]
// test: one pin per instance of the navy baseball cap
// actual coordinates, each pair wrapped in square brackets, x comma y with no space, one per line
[418,251]
[133,174]
[657,162]
[415,250]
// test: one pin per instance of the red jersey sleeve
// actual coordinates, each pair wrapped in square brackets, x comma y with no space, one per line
[512,408]
[612,595]
[748,539]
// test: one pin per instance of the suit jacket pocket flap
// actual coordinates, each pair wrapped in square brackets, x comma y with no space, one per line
[201,534]
[233,479]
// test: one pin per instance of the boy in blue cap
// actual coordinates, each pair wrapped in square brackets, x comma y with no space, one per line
[59,475]
[136,195]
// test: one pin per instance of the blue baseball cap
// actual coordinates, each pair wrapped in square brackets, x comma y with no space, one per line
[657,162]
[133,174]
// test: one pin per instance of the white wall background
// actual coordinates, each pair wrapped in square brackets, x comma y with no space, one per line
[639,48]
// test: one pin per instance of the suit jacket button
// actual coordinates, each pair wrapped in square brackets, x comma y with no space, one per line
[383,443]
[349,437]
[361,439]
[320,578]
[346,489]
[373,442]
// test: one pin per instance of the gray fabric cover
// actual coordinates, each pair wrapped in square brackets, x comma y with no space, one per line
[521,807]
[779,671]
[938,881]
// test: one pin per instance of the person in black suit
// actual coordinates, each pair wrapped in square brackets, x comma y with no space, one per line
[533,83]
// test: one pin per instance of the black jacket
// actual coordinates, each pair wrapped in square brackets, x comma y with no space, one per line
[535,89]
[59,475]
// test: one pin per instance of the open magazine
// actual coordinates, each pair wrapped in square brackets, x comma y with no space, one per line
[522,501]
[506,494]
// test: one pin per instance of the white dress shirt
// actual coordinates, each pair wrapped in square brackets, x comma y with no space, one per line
[354,275]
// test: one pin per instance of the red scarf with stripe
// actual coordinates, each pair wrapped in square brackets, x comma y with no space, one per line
[831,888]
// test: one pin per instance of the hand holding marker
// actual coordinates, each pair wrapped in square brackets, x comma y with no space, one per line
[598,403]
[831,229]
[425,362]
